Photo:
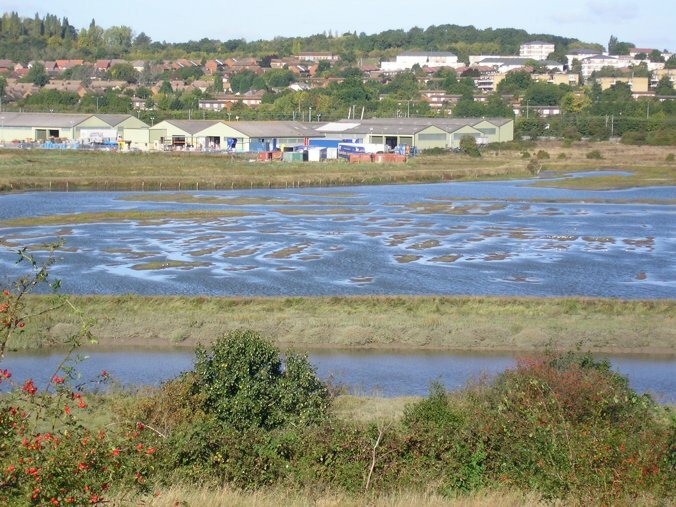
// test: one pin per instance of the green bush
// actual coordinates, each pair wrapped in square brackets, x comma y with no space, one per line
[594,155]
[632,137]
[670,157]
[516,145]
[567,143]
[542,155]
[525,154]
[561,156]
[662,137]
[469,147]
[434,151]
[240,381]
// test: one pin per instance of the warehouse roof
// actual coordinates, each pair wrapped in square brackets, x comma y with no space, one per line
[46,120]
[276,129]
[406,126]
[192,126]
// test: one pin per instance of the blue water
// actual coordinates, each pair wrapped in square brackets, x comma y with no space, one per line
[483,238]
[374,373]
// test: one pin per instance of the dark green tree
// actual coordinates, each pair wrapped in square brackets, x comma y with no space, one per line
[515,82]
[218,83]
[542,94]
[38,75]
[124,72]
[655,56]
[665,87]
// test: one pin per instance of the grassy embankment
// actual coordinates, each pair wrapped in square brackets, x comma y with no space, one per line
[446,323]
[61,170]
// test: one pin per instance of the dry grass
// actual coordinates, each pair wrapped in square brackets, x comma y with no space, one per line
[216,497]
[366,409]
[452,323]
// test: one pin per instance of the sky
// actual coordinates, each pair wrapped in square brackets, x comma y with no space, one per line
[646,24]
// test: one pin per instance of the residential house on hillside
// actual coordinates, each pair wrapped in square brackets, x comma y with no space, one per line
[598,62]
[528,111]
[62,65]
[317,56]
[659,74]
[504,64]
[226,100]
[66,86]
[439,99]
[638,51]
[101,85]
[211,67]
[559,78]
[637,84]
[139,65]
[18,91]
[102,66]
[580,54]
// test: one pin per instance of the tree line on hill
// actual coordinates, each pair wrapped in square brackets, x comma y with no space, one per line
[48,37]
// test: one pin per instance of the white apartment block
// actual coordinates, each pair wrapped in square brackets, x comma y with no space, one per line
[432,59]
[536,50]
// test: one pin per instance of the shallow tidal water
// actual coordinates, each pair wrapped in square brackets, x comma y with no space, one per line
[486,238]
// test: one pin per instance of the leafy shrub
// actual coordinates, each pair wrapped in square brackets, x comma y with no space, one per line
[469,147]
[434,151]
[571,134]
[241,382]
[525,154]
[594,155]
[567,143]
[542,155]
[670,157]
[634,137]
[561,156]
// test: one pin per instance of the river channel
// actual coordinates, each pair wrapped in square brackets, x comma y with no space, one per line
[361,372]
[487,238]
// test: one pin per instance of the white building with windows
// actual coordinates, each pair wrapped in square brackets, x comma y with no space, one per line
[434,59]
[598,62]
[536,50]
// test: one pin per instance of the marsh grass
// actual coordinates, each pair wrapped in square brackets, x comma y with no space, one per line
[50,170]
[451,323]
[45,170]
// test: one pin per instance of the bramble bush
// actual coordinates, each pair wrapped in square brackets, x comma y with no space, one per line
[50,453]
[568,425]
